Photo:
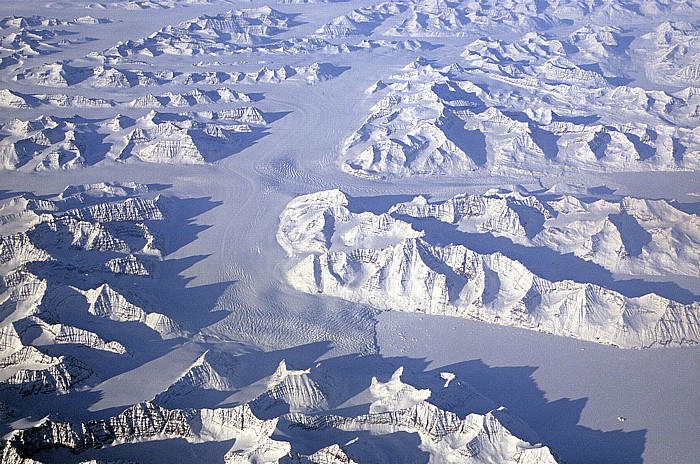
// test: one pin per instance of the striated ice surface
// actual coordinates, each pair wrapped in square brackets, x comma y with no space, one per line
[519,163]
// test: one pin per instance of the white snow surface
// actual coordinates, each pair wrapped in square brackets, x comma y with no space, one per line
[313,231]
[435,271]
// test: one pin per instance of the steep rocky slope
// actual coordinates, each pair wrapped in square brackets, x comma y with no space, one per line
[393,261]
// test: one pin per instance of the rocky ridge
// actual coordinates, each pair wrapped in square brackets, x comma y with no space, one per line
[394,406]
[100,228]
[393,262]
[432,120]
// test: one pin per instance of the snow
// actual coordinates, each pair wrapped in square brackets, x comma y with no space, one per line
[416,266]
[275,210]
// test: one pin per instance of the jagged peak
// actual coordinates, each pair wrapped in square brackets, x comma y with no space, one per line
[395,394]
[282,373]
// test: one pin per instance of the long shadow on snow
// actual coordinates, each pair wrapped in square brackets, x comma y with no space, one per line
[166,292]
[88,142]
[556,422]
[34,408]
[471,142]
[241,370]
[273,116]
[477,388]
[376,204]
[544,262]
[215,149]
[634,237]
[5,194]
[150,452]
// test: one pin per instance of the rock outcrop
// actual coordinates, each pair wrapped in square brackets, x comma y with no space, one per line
[431,271]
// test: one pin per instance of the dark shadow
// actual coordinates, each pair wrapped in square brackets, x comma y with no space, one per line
[256,96]
[678,150]
[275,116]
[329,71]
[75,75]
[30,100]
[87,142]
[547,141]
[74,196]
[221,77]
[180,214]
[616,80]
[190,306]
[471,142]
[544,262]
[458,99]
[541,6]
[556,422]
[396,447]
[645,151]
[240,371]
[581,120]
[12,60]
[214,149]
[569,48]
[599,143]
[634,237]
[688,208]
[601,190]
[623,41]
[266,362]
[5,194]
[196,398]
[425,45]
[61,32]
[26,149]
[91,146]
[163,116]
[477,388]
[328,228]
[150,452]
[29,407]
[376,204]
[374,19]
[531,219]
[165,291]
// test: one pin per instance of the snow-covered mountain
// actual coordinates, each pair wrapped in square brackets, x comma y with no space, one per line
[101,231]
[437,120]
[310,231]
[394,407]
[49,143]
[400,261]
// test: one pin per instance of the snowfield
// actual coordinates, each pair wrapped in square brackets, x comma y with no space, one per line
[372,231]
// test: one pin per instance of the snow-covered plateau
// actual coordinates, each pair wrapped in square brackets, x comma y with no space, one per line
[364,231]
